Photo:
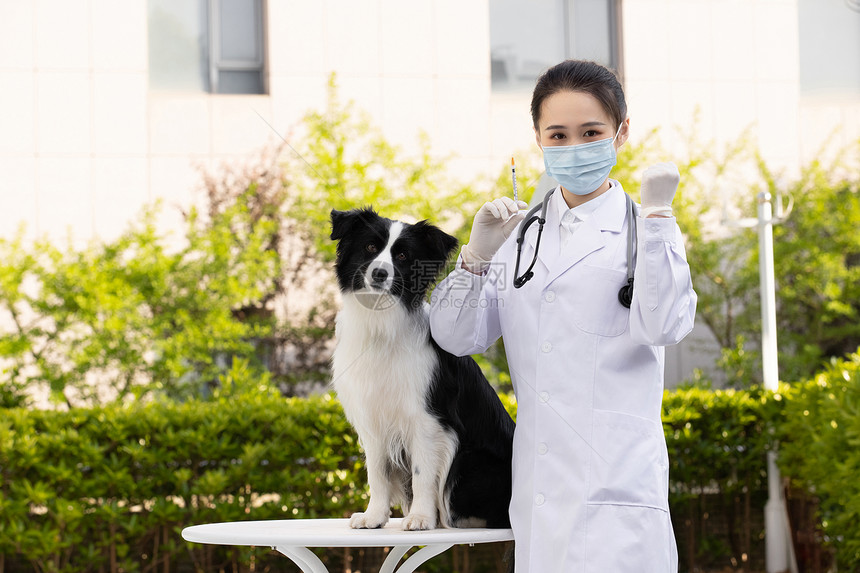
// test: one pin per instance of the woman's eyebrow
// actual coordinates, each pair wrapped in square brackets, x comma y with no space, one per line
[586,124]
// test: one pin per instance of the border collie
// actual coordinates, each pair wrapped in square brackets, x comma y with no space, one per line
[436,437]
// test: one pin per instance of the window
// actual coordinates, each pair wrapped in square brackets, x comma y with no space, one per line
[212,46]
[528,36]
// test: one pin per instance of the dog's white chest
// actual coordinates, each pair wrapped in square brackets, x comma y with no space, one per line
[383,366]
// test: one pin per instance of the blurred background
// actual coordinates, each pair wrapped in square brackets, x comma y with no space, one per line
[167,168]
[109,106]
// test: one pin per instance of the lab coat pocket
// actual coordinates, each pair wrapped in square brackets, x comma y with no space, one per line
[598,310]
[628,465]
[627,538]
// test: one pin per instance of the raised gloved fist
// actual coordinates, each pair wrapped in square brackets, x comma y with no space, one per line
[659,183]
[494,222]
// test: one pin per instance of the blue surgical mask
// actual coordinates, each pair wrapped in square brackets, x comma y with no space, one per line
[582,168]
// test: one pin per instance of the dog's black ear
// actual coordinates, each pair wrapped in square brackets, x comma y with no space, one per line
[442,243]
[449,243]
[341,222]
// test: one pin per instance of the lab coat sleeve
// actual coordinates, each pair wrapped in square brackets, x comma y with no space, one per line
[464,314]
[664,302]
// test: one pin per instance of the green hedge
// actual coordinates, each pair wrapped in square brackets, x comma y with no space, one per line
[821,452]
[97,489]
[717,441]
[109,489]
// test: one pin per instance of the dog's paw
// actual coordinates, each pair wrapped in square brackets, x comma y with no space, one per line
[367,521]
[417,522]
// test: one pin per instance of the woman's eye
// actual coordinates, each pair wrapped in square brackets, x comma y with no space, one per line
[557,136]
[371,248]
[400,256]
[589,133]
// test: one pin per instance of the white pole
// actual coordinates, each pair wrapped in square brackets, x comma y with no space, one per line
[768,292]
[777,541]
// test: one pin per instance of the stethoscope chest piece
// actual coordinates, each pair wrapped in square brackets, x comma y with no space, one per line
[625,295]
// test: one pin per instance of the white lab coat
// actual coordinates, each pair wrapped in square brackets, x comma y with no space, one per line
[590,467]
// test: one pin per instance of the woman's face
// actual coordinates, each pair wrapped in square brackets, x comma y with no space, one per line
[571,118]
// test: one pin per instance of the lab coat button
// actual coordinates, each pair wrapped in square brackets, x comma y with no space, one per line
[549,297]
[546,347]
[654,228]
[544,397]
[540,499]
[542,448]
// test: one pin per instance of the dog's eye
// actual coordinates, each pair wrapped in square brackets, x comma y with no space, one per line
[400,256]
[371,248]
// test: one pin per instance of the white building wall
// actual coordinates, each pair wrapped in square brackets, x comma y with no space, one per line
[73,110]
[413,66]
[84,143]
[733,61]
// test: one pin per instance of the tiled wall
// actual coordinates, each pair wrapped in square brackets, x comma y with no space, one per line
[732,61]
[73,110]
[84,143]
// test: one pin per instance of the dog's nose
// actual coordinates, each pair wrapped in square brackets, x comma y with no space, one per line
[378,275]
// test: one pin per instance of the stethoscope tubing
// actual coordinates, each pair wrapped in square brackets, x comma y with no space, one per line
[625,295]
[530,218]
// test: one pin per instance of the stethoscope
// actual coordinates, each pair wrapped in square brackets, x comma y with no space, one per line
[625,295]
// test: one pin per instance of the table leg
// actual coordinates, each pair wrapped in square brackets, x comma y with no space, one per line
[393,558]
[422,555]
[307,561]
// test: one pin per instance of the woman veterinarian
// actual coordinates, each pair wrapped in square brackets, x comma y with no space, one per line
[590,466]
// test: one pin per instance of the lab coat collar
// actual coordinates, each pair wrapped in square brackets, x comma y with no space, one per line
[584,211]
[589,237]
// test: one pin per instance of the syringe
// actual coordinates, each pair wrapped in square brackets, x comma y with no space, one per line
[514,179]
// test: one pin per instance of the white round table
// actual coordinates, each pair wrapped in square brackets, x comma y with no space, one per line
[293,537]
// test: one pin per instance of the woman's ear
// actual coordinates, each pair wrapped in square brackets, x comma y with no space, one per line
[537,137]
[623,134]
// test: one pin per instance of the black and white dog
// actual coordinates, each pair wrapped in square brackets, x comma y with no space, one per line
[436,437]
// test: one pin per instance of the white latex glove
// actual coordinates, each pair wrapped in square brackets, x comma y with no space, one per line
[659,183]
[494,222]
